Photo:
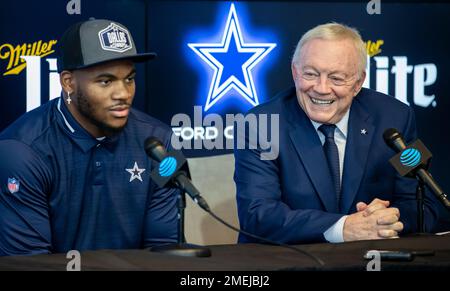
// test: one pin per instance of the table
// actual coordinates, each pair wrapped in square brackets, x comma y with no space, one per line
[251,257]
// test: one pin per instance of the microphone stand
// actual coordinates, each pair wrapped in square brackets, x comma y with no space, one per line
[181,248]
[420,194]
[420,190]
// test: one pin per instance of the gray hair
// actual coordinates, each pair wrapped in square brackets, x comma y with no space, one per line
[335,31]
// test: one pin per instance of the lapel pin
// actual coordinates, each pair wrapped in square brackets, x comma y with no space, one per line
[363,131]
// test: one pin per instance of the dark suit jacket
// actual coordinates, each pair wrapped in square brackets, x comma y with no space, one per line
[290,199]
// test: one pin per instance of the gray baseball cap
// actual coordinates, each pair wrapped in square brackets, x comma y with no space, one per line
[97,41]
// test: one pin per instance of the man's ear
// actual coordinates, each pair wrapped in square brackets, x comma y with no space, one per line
[294,72]
[360,82]
[66,78]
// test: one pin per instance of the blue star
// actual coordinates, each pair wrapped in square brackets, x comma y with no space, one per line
[232,61]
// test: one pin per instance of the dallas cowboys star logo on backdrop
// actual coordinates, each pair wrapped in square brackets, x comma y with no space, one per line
[135,172]
[232,61]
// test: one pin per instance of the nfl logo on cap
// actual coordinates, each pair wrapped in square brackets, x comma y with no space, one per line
[115,38]
[13,185]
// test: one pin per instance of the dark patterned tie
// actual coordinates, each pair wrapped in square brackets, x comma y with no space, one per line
[332,154]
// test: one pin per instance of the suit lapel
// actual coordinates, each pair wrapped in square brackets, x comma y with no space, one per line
[308,146]
[359,137]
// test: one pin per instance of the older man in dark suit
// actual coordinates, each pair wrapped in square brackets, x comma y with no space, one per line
[331,180]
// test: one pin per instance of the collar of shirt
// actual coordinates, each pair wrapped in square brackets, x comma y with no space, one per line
[80,135]
[342,125]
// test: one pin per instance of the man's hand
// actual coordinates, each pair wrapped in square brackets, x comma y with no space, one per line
[373,221]
[375,204]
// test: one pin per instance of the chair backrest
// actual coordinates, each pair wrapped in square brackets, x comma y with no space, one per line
[213,177]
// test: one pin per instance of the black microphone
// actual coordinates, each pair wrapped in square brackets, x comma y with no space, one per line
[169,170]
[412,160]
[170,164]
[394,139]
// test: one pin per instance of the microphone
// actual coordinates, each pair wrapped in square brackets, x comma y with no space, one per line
[169,170]
[394,139]
[412,160]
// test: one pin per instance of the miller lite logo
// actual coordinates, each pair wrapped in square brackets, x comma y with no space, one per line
[13,185]
[115,38]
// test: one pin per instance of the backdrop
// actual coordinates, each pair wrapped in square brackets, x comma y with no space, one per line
[222,57]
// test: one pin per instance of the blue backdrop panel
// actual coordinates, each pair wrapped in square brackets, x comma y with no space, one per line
[408,43]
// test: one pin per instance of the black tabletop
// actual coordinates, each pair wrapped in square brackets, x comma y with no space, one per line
[252,257]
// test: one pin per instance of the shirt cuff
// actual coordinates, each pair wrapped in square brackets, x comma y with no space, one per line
[335,234]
